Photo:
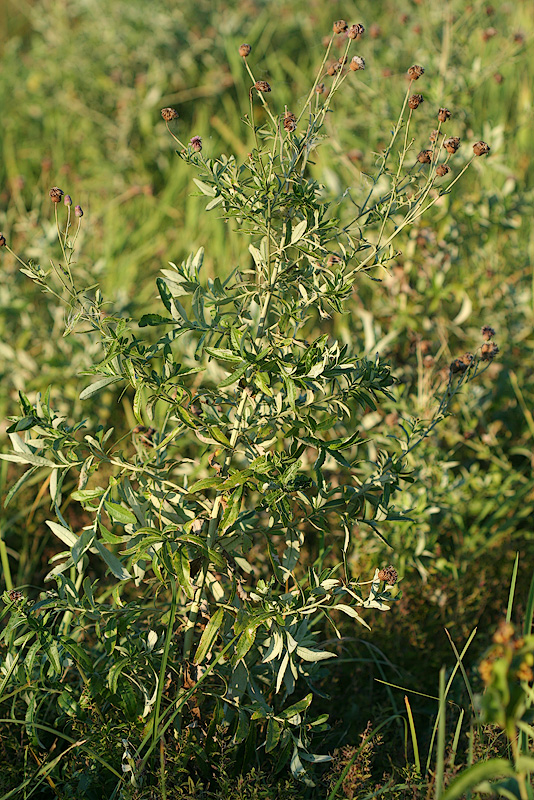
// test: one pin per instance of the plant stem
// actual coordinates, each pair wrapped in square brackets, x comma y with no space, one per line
[165,657]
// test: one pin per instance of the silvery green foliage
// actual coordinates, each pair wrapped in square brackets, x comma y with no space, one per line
[248,446]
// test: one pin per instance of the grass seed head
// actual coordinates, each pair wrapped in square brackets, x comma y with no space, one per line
[244,50]
[415,72]
[169,114]
[357,62]
[415,101]
[340,26]
[452,144]
[356,31]
[481,148]
[488,351]
[444,114]
[55,194]
[442,170]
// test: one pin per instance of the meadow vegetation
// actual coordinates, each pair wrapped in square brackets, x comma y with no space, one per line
[265,400]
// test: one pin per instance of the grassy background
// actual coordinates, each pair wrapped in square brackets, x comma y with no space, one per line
[81,89]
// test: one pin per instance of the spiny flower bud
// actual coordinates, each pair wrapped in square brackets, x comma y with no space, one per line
[415,100]
[262,86]
[425,157]
[78,211]
[55,194]
[196,144]
[451,144]
[2,240]
[481,148]
[244,50]
[487,332]
[415,72]
[290,121]
[389,575]
[444,114]
[442,170]
[355,31]
[169,113]
[67,200]
[357,62]
[339,26]
[488,351]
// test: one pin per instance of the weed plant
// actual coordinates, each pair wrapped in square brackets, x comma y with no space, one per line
[244,453]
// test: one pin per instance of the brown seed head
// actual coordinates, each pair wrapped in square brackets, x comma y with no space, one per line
[434,136]
[262,86]
[343,60]
[320,88]
[169,114]
[340,26]
[355,31]
[519,37]
[490,11]
[375,31]
[425,157]
[290,122]
[389,575]
[458,366]
[487,332]
[415,72]
[467,359]
[481,148]
[244,50]
[15,596]
[78,211]
[498,77]
[488,351]
[444,114]
[415,100]
[55,194]
[442,170]
[2,240]
[488,34]
[451,144]
[356,63]
[333,68]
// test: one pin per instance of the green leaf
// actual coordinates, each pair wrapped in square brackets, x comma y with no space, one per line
[471,777]
[205,483]
[66,535]
[299,231]
[153,320]
[205,188]
[113,562]
[94,388]
[274,730]
[314,655]
[234,376]
[29,458]
[208,637]
[23,424]
[297,708]
[245,642]
[224,354]
[120,514]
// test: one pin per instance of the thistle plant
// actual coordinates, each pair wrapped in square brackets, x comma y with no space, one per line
[230,507]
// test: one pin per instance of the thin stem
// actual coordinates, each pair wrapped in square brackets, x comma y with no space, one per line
[168,638]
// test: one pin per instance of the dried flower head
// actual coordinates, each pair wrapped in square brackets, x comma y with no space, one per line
[481,148]
[196,144]
[169,114]
[487,332]
[451,144]
[467,359]
[442,170]
[357,62]
[444,114]
[343,60]
[244,50]
[78,211]
[415,72]
[488,34]
[262,86]
[2,240]
[458,366]
[375,30]
[290,121]
[15,596]
[334,67]
[425,157]
[340,26]
[67,200]
[355,31]
[488,351]
[320,88]
[433,136]
[55,194]
[415,100]
[389,575]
